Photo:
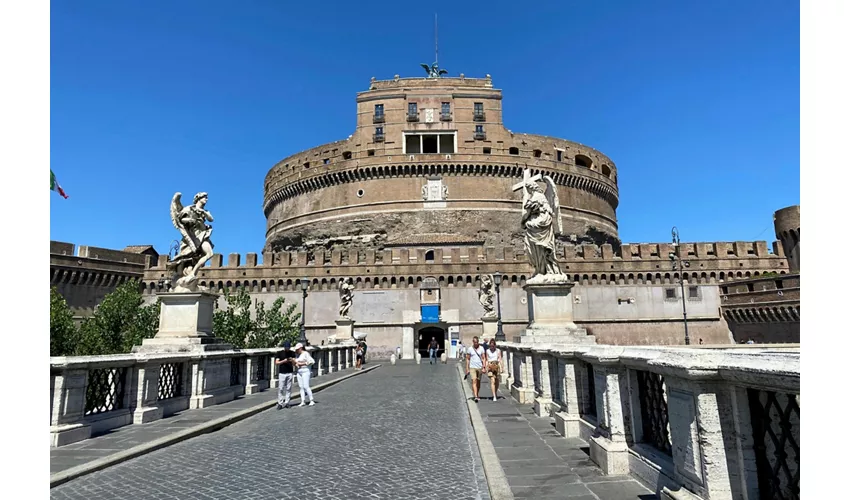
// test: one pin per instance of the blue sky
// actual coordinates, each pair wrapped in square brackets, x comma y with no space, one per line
[697,103]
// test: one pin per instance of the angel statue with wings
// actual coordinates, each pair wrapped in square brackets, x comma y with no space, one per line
[346,297]
[486,295]
[196,248]
[433,70]
[541,219]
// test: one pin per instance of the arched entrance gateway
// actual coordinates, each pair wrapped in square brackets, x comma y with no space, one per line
[430,324]
[424,336]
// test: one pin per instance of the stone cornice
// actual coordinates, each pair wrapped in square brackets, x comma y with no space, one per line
[572,180]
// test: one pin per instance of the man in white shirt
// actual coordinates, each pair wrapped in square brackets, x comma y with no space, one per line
[475,365]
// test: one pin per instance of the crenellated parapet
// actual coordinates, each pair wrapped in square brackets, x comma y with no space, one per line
[763,309]
[84,275]
[461,266]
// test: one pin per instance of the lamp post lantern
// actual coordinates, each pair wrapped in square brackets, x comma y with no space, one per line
[305,284]
[676,257]
[497,280]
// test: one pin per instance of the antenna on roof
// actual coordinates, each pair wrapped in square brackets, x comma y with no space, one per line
[434,71]
[436,50]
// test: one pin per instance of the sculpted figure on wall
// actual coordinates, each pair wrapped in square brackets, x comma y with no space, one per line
[486,295]
[346,296]
[196,247]
[541,220]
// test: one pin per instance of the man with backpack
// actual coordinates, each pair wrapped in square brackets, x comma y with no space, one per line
[475,365]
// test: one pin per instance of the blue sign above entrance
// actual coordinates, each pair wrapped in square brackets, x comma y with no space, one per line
[431,313]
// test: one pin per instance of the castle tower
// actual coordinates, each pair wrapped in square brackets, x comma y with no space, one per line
[432,157]
[786,222]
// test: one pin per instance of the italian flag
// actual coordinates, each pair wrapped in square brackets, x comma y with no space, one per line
[54,186]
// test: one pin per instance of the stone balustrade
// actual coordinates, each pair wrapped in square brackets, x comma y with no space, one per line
[93,394]
[694,423]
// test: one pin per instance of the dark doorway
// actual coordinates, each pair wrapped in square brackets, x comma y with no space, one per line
[425,336]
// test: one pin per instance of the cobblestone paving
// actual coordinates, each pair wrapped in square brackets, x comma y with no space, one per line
[398,432]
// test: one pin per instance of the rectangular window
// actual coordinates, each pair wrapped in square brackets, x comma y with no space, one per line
[440,143]
[447,108]
[478,108]
[693,292]
[670,293]
[413,144]
[429,144]
[411,109]
[559,155]
[379,130]
[479,129]
[447,144]
[379,109]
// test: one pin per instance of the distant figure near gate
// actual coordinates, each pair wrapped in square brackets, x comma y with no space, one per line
[432,350]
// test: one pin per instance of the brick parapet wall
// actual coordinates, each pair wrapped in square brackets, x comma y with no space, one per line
[462,266]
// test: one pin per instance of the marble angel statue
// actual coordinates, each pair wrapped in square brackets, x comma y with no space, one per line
[541,220]
[486,295]
[196,248]
[346,297]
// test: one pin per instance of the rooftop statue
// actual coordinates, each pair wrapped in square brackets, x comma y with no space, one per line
[196,248]
[434,71]
[541,220]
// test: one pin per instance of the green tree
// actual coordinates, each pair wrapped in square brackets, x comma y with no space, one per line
[267,328]
[275,325]
[63,331]
[234,324]
[119,322]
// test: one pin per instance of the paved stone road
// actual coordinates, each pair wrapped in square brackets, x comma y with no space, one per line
[539,463]
[398,432]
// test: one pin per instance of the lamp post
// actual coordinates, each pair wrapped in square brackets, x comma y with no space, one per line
[676,257]
[305,284]
[497,280]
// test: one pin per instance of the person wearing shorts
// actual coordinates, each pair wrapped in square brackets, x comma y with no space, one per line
[359,353]
[494,366]
[475,365]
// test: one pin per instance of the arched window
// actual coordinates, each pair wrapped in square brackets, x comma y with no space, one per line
[429,256]
[583,161]
[606,170]
[513,151]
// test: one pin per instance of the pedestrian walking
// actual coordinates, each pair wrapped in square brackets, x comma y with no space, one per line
[432,351]
[475,365]
[285,360]
[359,357]
[304,361]
[494,366]
[461,350]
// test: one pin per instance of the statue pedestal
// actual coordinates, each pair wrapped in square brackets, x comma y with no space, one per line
[550,314]
[489,327]
[345,331]
[185,324]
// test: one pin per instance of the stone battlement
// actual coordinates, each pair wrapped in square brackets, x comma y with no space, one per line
[635,252]
[141,254]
